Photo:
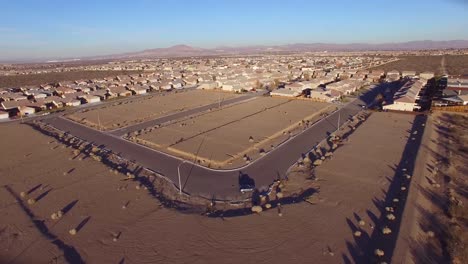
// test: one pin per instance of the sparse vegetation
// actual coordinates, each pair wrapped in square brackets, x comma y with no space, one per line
[379,253]
[386,230]
[257,209]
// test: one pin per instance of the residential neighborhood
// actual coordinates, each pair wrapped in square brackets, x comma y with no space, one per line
[318,78]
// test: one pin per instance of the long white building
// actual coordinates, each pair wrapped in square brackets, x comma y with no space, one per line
[405,98]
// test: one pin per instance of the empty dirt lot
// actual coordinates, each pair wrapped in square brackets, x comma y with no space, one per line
[457,65]
[454,64]
[414,63]
[122,114]
[90,196]
[222,136]
[145,232]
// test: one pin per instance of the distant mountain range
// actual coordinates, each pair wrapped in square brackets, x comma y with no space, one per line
[187,51]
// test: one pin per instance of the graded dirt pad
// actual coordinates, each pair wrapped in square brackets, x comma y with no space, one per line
[151,234]
[220,136]
[357,179]
[85,190]
[122,114]
[437,216]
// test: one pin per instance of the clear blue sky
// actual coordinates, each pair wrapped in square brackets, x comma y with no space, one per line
[62,28]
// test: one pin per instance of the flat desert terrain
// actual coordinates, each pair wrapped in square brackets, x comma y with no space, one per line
[122,114]
[219,137]
[118,223]
[457,65]
[454,64]
[437,219]
[414,63]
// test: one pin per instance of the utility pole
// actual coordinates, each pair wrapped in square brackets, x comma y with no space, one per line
[178,173]
[99,120]
[339,117]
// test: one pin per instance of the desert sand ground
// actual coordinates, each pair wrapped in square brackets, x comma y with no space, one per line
[121,114]
[454,64]
[222,136]
[145,232]
[435,220]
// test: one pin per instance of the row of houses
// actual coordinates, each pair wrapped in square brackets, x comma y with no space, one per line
[325,91]
[229,74]
[407,97]
[396,75]
[455,92]
[25,102]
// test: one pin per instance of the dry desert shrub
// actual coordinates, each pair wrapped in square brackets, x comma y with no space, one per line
[72,231]
[23,194]
[430,234]
[57,215]
[357,233]
[379,253]
[257,209]
[386,230]
[31,201]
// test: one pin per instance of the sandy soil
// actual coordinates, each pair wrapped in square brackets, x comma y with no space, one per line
[358,177]
[85,190]
[414,63]
[122,114]
[145,232]
[219,138]
[442,175]
[455,64]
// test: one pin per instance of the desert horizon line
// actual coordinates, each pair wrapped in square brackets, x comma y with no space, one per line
[334,47]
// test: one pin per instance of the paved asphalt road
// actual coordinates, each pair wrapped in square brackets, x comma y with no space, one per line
[223,183]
